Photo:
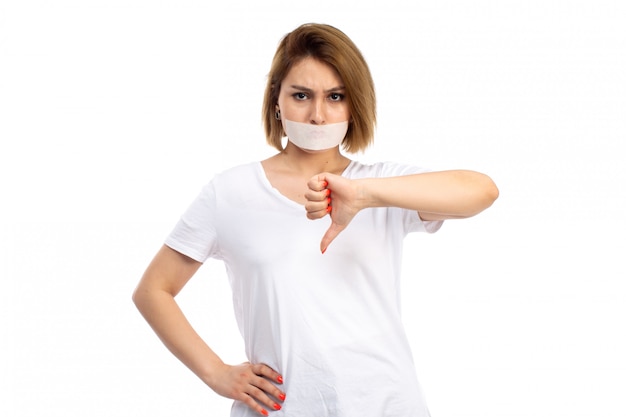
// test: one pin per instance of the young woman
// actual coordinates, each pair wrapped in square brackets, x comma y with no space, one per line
[312,243]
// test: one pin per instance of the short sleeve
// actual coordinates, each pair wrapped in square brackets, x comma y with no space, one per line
[195,234]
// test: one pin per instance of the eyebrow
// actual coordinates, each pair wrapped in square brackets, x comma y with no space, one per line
[308,90]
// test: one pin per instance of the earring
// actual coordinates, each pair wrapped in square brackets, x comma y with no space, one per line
[277,115]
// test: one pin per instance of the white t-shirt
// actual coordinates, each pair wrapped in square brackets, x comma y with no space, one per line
[329,323]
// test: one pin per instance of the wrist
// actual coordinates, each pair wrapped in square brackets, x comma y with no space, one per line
[366,194]
[212,371]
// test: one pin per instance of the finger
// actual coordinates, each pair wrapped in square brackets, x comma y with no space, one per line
[318,182]
[318,209]
[262,369]
[248,395]
[250,402]
[312,195]
[267,374]
[330,235]
[262,398]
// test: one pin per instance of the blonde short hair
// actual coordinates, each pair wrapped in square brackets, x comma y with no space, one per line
[331,46]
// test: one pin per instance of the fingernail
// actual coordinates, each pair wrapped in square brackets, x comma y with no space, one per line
[277,407]
[282,397]
[328,200]
[279,379]
[265,413]
[327,192]
[325,184]
[328,209]
[324,250]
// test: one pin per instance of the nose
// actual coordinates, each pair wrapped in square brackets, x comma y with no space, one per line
[318,112]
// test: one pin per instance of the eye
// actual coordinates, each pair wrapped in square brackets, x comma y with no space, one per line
[300,96]
[336,97]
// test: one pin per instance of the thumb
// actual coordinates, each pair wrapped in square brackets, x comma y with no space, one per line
[330,235]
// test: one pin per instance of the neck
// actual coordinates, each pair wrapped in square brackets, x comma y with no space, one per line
[309,163]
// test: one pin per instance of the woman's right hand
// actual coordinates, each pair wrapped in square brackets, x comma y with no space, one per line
[250,384]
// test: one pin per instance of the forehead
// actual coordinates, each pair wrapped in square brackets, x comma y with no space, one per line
[311,72]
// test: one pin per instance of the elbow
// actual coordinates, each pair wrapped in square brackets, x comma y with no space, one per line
[144,301]
[480,192]
[140,297]
[136,297]
[489,193]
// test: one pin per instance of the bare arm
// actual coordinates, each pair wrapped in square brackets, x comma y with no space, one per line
[166,275]
[434,195]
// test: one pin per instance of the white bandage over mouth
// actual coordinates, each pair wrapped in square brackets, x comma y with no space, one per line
[315,137]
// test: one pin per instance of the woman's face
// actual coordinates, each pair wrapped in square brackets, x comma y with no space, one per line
[312,92]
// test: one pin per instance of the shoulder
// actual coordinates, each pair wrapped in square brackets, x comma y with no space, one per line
[235,176]
[229,180]
[238,185]
[382,169]
[237,172]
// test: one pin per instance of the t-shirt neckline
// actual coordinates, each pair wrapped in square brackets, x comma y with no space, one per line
[268,185]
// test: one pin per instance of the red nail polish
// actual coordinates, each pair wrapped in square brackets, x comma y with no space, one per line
[324,250]
[328,209]
[325,184]
[265,413]
[277,407]
[328,200]
[327,192]
[279,379]
[282,397]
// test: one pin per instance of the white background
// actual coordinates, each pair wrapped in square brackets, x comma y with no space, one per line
[114,113]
